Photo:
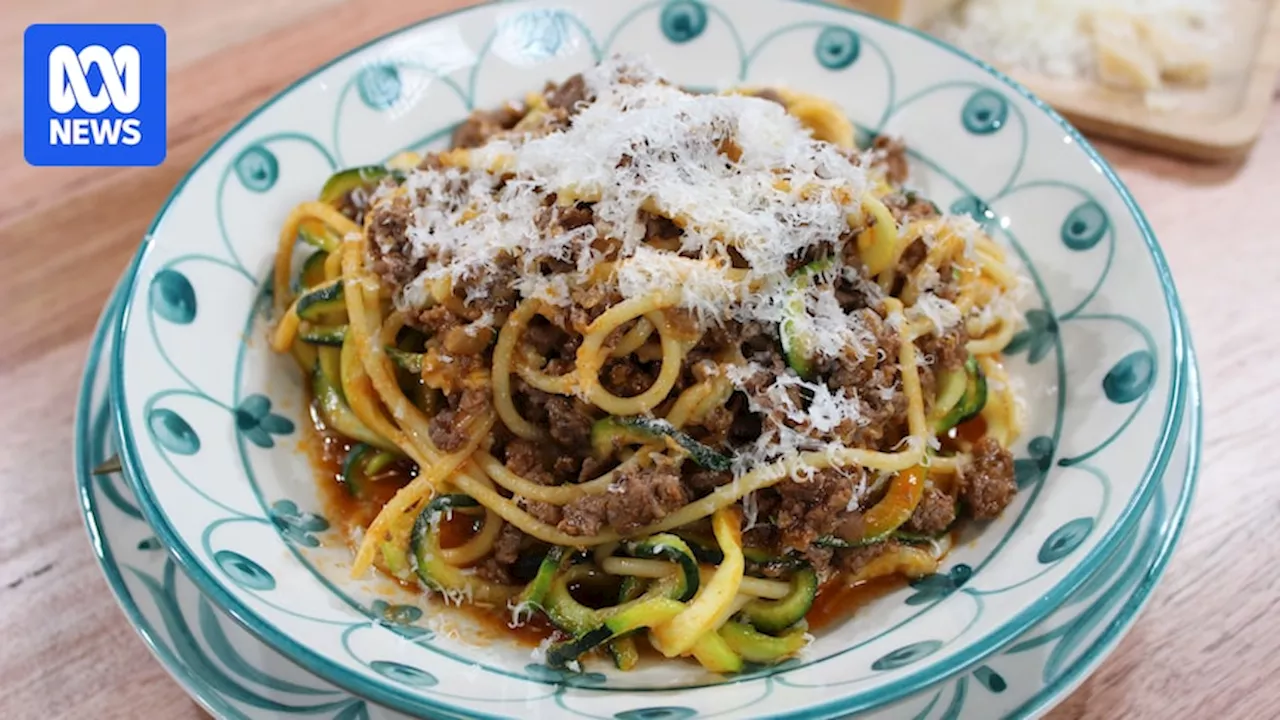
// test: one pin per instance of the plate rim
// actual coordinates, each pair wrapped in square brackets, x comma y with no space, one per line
[394,696]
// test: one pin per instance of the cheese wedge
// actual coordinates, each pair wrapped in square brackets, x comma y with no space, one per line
[915,13]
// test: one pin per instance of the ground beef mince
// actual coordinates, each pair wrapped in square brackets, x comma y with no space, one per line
[530,401]
[872,378]
[490,570]
[912,256]
[389,247]
[448,429]
[908,206]
[569,96]
[626,376]
[946,351]
[704,482]
[661,231]
[988,485]
[939,354]
[808,510]
[639,497]
[853,560]
[716,425]
[891,156]
[572,218]
[484,124]
[585,516]
[438,320]
[491,293]
[528,460]
[569,421]
[547,339]
[506,549]
[545,512]
[934,514]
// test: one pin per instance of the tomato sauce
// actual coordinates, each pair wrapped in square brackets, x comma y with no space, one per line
[838,601]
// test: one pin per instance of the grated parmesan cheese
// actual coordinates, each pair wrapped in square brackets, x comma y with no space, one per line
[752,193]
[640,148]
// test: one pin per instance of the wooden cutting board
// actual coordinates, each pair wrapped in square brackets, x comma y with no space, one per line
[1219,122]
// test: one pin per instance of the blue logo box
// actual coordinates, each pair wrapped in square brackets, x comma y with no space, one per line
[94,95]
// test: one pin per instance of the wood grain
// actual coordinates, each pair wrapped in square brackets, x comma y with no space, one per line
[1207,646]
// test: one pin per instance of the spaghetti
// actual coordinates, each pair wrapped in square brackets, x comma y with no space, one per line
[652,364]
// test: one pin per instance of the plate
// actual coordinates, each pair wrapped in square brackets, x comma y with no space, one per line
[233,674]
[207,415]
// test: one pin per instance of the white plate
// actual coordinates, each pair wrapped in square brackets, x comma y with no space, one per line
[206,412]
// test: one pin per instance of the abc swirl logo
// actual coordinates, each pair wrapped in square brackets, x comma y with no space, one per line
[94,95]
[69,89]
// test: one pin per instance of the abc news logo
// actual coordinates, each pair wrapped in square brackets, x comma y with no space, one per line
[94,95]
[69,89]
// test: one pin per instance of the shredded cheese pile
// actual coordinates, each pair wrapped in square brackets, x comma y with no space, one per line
[1131,44]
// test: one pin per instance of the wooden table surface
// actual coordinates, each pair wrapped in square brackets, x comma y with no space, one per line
[1208,646]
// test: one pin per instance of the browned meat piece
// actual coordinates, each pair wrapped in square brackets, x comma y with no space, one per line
[872,378]
[569,421]
[851,527]
[580,215]
[545,512]
[809,510]
[507,547]
[703,482]
[626,376]
[570,95]
[589,302]
[437,320]
[941,353]
[947,351]
[853,560]
[585,516]
[893,158]
[717,423]
[525,458]
[484,124]
[910,205]
[988,485]
[490,570]
[934,514]
[530,401]
[545,338]
[639,497]
[592,469]
[642,496]
[911,258]
[566,468]
[492,291]
[389,226]
[448,429]
[661,231]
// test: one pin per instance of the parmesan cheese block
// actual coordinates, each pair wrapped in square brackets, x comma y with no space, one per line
[1124,59]
[908,12]
[1180,61]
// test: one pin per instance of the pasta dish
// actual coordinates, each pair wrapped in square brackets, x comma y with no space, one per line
[641,366]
